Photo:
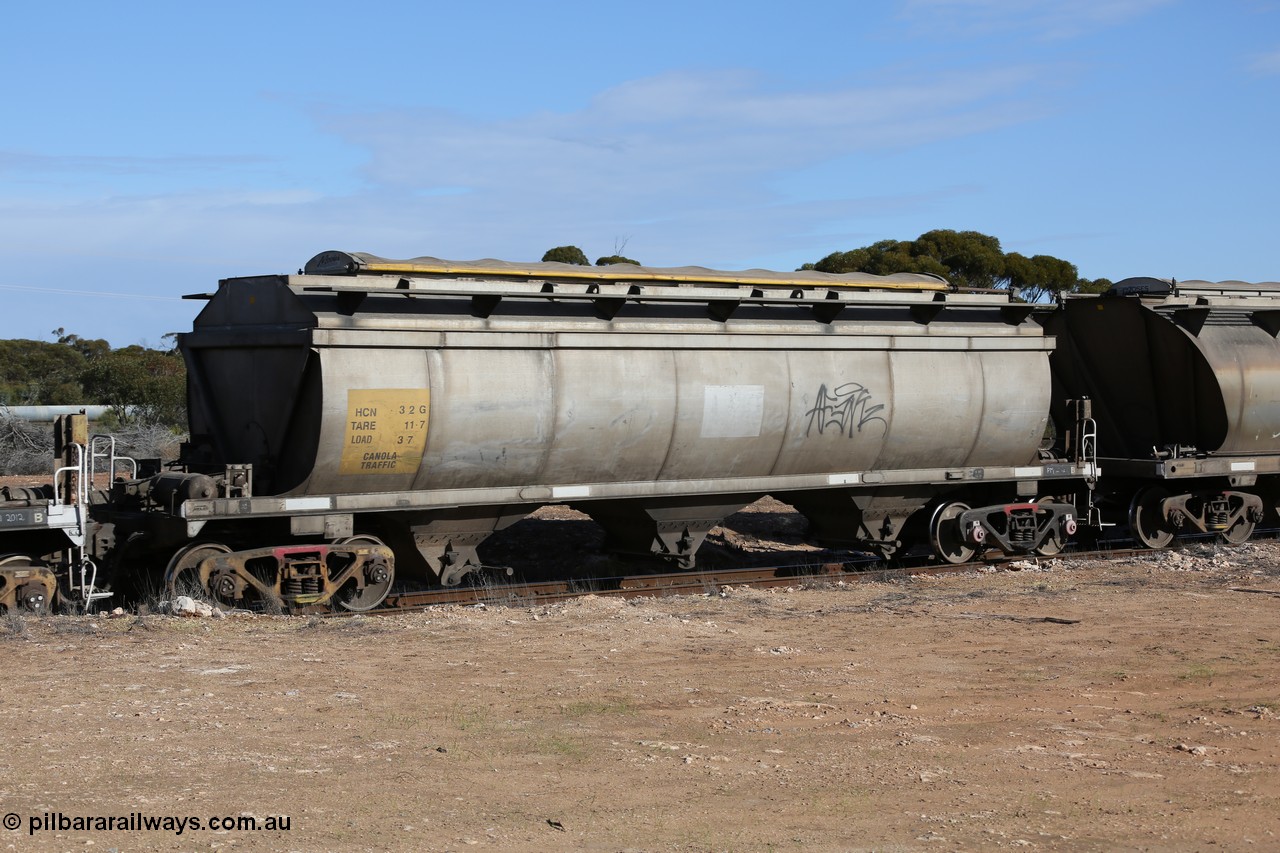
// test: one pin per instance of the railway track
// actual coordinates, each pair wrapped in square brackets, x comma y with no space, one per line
[702,582]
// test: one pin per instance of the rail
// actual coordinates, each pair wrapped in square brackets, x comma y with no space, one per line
[868,570]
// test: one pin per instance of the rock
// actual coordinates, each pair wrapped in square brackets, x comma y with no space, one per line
[185,605]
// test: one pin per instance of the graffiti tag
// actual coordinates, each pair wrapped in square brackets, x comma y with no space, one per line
[845,409]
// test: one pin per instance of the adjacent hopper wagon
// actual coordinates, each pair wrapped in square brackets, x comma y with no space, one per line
[1184,380]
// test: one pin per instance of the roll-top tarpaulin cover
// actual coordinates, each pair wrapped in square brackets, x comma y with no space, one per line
[350,263]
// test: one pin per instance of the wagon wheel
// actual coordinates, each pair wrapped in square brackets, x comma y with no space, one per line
[17,561]
[1146,521]
[181,576]
[30,595]
[377,582]
[1239,532]
[1055,541]
[945,536]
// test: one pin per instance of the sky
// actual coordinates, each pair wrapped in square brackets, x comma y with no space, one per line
[149,149]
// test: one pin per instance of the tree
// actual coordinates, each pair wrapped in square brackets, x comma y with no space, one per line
[614,259]
[146,386]
[974,259]
[152,382]
[566,255]
[38,373]
[88,348]
[968,259]
[883,258]
[1097,285]
[1038,276]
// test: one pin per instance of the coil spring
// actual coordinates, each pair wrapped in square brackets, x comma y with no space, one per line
[300,586]
[1218,517]
[1021,534]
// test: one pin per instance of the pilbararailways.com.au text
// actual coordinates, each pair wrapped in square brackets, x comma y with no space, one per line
[140,822]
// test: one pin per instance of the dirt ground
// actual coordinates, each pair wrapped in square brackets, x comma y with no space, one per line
[914,715]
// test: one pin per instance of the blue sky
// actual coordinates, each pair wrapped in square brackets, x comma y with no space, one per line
[149,149]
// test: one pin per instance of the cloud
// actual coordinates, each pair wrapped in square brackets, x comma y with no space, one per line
[688,164]
[691,167]
[672,145]
[1266,63]
[1043,18]
[20,162]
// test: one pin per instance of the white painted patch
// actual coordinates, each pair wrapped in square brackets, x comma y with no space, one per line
[1027,472]
[570,491]
[842,479]
[303,504]
[1243,466]
[732,411]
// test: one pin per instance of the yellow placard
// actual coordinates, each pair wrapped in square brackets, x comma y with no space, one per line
[386,430]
